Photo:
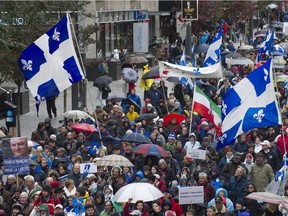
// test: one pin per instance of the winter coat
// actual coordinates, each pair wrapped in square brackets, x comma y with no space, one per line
[136,99]
[52,201]
[261,175]
[209,191]
[132,115]
[229,203]
[174,207]
[236,187]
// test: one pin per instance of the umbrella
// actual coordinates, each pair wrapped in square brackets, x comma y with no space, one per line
[83,127]
[228,73]
[267,197]
[145,116]
[116,98]
[129,75]
[138,191]
[78,114]
[281,78]
[135,60]
[102,81]
[152,73]
[260,33]
[128,101]
[135,138]
[239,61]
[272,6]
[233,55]
[201,48]
[114,160]
[225,52]
[173,79]
[284,45]
[156,42]
[246,47]
[151,149]
[179,118]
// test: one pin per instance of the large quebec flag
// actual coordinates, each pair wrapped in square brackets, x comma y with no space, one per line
[50,64]
[249,104]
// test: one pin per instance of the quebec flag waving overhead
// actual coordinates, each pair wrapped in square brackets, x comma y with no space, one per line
[214,51]
[249,104]
[266,46]
[50,64]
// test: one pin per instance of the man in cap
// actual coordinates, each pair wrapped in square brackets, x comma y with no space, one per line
[221,208]
[270,156]
[43,210]
[59,209]
[230,168]
[261,173]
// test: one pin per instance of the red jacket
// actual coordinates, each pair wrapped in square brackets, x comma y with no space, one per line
[52,202]
[280,143]
[161,185]
[175,206]
[209,191]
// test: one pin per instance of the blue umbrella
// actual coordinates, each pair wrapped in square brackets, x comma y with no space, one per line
[135,138]
[151,149]
[201,48]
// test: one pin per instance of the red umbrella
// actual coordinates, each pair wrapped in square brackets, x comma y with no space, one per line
[179,118]
[83,127]
[151,149]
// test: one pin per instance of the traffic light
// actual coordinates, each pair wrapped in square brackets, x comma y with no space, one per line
[10,114]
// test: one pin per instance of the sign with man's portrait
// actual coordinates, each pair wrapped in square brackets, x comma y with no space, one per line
[15,155]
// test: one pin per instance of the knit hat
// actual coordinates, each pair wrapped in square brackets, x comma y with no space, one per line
[171,136]
[17,206]
[47,188]
[55,184]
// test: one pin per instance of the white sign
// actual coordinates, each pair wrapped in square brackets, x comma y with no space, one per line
[181,25]
[190,195]
[88,167]
[140,37]
[196,153]
[285,28]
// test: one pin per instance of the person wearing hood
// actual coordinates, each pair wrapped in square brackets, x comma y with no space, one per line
[261,173]
[215,178]
[221,192]
[248,162]
[139,176]
[131,114]
[48,128]
[237,184]
[99,201]
[192,143]
[211,136]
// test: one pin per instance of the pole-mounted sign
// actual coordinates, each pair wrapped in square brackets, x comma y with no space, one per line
[190,9]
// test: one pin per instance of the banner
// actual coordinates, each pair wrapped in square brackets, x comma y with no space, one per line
[88,168]
[140,37]
[15,155]
[196,153]
[173,70]
[190,195]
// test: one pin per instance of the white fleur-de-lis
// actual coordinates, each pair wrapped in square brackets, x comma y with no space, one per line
[266,74]
[27,65]
[221,138]
[56,35]
[224,108]
[259,116]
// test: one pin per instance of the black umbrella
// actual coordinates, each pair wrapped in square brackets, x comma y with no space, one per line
[153,72]
[233,55]
[128,101]
[135,138]
[116,98]
[201,48]
[145,116]
[173,79]
[102,81]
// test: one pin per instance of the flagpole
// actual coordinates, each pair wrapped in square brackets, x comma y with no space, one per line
[191,115]
[78,49]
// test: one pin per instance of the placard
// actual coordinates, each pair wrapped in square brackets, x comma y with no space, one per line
[190,195]
[196,153]
[140,37]
[15,155]
[88,168]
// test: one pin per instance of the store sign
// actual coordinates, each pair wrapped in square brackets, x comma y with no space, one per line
[140,15]
[190,9]
[140,37]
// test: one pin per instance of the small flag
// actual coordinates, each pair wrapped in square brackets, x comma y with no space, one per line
[267,46]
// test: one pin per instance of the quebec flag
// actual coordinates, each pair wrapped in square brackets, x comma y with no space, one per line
[50,64]
[214,51]
[267,45]
[249,104]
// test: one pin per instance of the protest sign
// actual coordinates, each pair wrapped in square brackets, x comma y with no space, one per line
[88,167]
[190,195]
[15,155]
[196,153]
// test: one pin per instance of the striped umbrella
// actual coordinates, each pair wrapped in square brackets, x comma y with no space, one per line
[114,160]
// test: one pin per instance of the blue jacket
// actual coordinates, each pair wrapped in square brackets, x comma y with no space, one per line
[136,99]
[229,203]
[155,96]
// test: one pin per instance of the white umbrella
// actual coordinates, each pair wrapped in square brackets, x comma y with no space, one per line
[246,47]
[238,61]
[78,114]
[138,191]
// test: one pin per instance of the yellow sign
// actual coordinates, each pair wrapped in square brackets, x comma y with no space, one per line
[190,9]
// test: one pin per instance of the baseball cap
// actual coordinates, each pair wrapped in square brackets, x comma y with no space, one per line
[218,199]
[58,206]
